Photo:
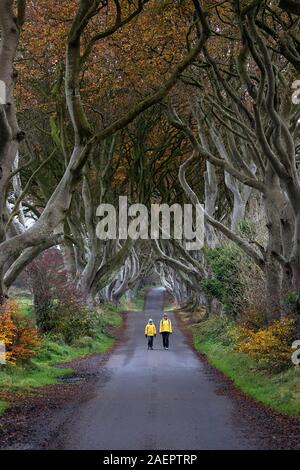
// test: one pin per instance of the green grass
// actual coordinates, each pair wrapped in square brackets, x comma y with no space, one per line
[42,369]
[111,315]
[279,391]
[137,304]
[26,307]
[3,406]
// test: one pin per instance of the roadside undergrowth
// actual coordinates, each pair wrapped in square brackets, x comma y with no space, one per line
[217,339]
[41,370]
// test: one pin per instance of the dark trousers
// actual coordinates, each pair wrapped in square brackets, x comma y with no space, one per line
[150,342]
[165,336]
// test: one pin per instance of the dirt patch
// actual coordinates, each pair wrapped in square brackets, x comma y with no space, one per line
[36,417]
[273,430]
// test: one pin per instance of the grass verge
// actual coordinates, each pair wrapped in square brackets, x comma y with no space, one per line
[3,406]
[279,391]
[42,368]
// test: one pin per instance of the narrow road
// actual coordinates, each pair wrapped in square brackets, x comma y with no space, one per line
[156,399]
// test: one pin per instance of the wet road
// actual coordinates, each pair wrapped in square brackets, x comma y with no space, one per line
[154,399]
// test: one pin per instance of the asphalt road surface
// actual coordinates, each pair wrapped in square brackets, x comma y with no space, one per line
[155,400]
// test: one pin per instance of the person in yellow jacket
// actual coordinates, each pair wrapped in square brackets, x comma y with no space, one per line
[165,329]
[150,332]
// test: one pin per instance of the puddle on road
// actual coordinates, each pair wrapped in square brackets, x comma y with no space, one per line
[71,379]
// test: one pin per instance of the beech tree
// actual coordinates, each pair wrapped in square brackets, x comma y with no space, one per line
[251,131]
[172,102]
[50,223]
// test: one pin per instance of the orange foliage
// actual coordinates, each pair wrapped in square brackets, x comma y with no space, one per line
[121,67]
[18,334]
[270,346]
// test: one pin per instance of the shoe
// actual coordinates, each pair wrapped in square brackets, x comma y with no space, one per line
[167,349]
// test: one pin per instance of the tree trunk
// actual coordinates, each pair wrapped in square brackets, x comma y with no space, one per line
[10,133]
[273,270]
[211,195]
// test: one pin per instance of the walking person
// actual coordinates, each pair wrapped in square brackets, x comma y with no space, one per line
[150,332]
[165,329]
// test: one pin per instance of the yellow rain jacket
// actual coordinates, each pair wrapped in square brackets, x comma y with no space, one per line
[150,329]
[165,326]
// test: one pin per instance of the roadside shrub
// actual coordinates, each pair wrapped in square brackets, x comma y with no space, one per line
[71,319]
[254,311]
[59,306]
[7,330]
[83,342]
[18,334]
[52,287]
[72,322]
[217,328]
[269,346]
[57,338]
[224,282]
[43,275]
[292,302]
[252,316]
[248,229]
